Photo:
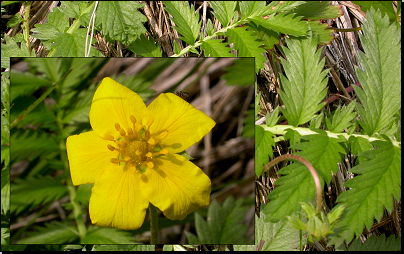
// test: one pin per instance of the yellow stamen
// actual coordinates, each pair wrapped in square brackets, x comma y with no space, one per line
[149,154]
[117,126]
[150,122]
[151,141]
[150,164]
[164,151]
[110,147]
[163,134]
[109,137]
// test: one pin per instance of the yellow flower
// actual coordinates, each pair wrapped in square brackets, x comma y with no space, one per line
[131,157]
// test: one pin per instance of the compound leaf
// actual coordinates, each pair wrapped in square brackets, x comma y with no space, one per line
[51,233]
[223,11]
[263,148]
[306,85]
[297,184]
[103,235]
[247,45]
[380,78]
[378,181]
[215,48]
[185,20]
[145,47]
[316,10]
[341,118]
[283,24]
[376,244]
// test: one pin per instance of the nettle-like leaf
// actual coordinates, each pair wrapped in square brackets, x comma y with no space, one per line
[240,73]
[120,20]
[297,184]
[378,181]
[283,24]
[380,78]
[376,244]
[51,233]
[247,45]
[321,31]
[223,225]
[280,236]
[384,6]
[185,20]
[145,47]
[79,10]
[306,84]
[268,37]
[34,191]
[341,118]
[11,49]
[251,8]
[103,235]
[215,48]
[223,11]
[263,148]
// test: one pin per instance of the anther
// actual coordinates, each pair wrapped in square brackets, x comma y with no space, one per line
[151,141]
[149,154]
[147,135]
[109,137]
[117,126]
[110,147]
[150,122]
[115,160]
[122,132]
[150,164]
[132,119]
[164,151]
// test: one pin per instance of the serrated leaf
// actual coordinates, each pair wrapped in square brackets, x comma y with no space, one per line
[51,233]
[145,47]
[293,136]
[240,73]
[78,10]
[120,20]
[376,244]
[281,6]
[383,6]
[283,24]
[215,48]
[273,118]
[280,236]
[223,11]
[268,37]
[250,9]
[306,85]
[378,180]
[316,10]
[341,118]
[15,20]
[316,121]
[223,225]
[34,191]
[104,235]
[297,184]
[185,20]
[380,78]
[247,45]
[263,148]
[324,35]
[11,49]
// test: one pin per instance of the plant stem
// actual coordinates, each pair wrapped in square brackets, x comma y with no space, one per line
[308,165]
[26,24]
[154,228]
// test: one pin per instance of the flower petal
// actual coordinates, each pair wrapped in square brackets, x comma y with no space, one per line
[176,186]
[116,200]
[88,156]
[114,103]
[185,124]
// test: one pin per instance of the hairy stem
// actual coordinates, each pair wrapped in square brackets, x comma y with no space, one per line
[308,165]
[154,228]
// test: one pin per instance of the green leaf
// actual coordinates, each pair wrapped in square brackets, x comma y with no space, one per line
[79,10]
[376,244]
[283,24]
[5,190]
[240,73]
[378,180]
[185,20]
[145,47]
[223,11]
[120,20]
[250,9]
[247,45]
[380,78]
[11,49]
[280,236]
[223,225]
[297,184]
[123,247]
[293,136]
[268,37]
[316,10]
[321,31]
[34,191]
[215,48]
[15,20]
[103,235]
[273,118]
[341,118]
[386,7]
[281,6]
[263,148]
[51,233]
[306,85]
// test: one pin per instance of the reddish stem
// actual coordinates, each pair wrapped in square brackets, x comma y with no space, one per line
[308,165]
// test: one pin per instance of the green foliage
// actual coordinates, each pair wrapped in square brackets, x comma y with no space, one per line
[341,118]
[51,233]
[306,85]
[272,118]
[237,73]
[120,20]
[224,11]
[383,6]
[283,24]
[377,244]
[145,47]
[10,48]
[279,236]
[100,235]
[263,148]
[297,184]
[223,225]
[185,19]
[215,48]
[378,180]
[380,95]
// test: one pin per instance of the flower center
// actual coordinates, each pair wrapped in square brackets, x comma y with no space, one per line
[136,147]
